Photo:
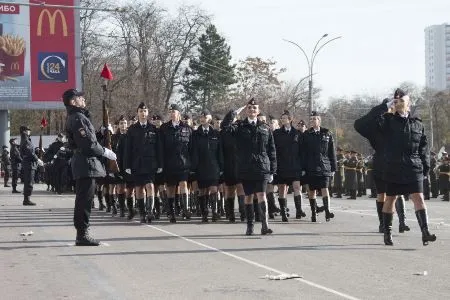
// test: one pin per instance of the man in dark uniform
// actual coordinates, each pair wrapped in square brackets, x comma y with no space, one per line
[207,164]
[339,175]
[289,164]
[176,139]
[319,163]
[30,162]
[444,178]
[16,159]
[6,164]
[85,163]
[370,179]
[143,159]
[351,180]
[432,175]
[257,163]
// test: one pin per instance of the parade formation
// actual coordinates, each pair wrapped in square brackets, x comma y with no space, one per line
[184,167]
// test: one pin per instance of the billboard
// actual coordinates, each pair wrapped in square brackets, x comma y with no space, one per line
[39,53]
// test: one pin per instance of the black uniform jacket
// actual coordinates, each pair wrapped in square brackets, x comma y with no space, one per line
[119,149]
[16,158]
[256,153]
[405,148]
[83,142]
[229,150]
[29,157]
[143,152]
[319,156]
[288,148]
[207,156]
[177,148]
[52,150]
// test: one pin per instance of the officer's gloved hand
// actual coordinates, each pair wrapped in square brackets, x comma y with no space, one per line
[110,129]
[270,178]
[128,171]
[62,148]
[303,173]
[220,173]
[40,162]
[390,103]
[109,154]
[159,170]
[238,111]
[55,156]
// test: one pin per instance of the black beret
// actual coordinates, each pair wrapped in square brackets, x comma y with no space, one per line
[302,123]
[314,114]
[156,117]
[12,140]
[205,113]
[70,94]
[132,118]
[399,93]
[187,116]
[121,118]
[142,106]
[218,117]
[174,107]
[252,102]
[339,149]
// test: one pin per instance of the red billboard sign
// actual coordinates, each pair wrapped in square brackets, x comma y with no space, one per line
[9,9]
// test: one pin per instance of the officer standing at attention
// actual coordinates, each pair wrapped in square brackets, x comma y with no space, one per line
[257,162]
[16,159]
[85,163]
[30,162]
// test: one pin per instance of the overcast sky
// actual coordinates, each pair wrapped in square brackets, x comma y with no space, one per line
[382,41]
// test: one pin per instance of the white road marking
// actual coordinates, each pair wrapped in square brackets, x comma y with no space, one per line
[253,263]
[358,212]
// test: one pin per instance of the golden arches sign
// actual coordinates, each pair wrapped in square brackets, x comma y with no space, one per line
[15,66]
[51,21]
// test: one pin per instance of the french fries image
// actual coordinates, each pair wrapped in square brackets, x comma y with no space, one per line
[12,45]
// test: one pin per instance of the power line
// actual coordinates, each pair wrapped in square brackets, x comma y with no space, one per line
[43,4]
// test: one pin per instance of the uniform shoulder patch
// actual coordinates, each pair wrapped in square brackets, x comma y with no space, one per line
[82,132]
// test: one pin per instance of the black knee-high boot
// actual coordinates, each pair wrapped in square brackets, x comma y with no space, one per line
[108,203]
[185,206]
[313,204]
[101,205]
[387,224]
[264,219]
[157,208]
[171,210]
[121,199]
[326,205]
[271,205]
[400,207]
[149,208]
[241,207]
[249,212]
[380,216]
[203,202]
[422,219]
[255,209]
[131,212]
[112,200]
[283,204]
[141,206]
[299,213]
[230,206]
[213,200]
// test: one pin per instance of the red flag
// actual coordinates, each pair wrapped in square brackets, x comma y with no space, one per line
[106,73]
[44,122]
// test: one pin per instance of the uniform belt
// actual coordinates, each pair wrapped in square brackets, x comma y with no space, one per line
[348,168]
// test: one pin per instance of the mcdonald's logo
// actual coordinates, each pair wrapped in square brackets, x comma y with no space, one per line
[51,21]
[15,66]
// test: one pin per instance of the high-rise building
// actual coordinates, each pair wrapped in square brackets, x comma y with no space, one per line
[437,57]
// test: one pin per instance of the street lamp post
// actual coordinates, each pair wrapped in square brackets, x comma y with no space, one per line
[310,60]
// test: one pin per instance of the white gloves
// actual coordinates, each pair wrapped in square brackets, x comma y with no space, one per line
[303,173]
[270,178]
[390,103]
[238,111]
[110,128]
[55,156]
[159,170]
[109,154]
[62,148]
[128,171]
[40,162]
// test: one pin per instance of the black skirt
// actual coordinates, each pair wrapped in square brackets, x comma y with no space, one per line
[254,186]
[394,189]
[380,185]
[318,182]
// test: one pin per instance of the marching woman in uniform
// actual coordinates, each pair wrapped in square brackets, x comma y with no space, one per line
[207,164]
[119,148]
[319,163]
[406,159]
[176,140]
[289,160]
[143,159]
[257,162]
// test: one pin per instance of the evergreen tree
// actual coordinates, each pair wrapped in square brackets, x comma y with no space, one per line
[206,80]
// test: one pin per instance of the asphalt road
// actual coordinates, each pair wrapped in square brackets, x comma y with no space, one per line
[342,259]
